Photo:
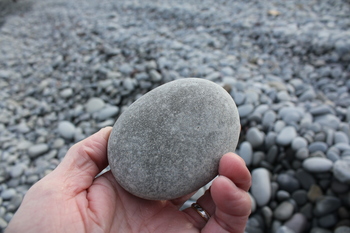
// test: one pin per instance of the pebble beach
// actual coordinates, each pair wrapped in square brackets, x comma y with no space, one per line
[70,68]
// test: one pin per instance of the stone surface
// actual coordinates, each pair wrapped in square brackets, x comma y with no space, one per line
[163,148]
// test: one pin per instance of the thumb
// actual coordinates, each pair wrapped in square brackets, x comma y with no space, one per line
[83,162]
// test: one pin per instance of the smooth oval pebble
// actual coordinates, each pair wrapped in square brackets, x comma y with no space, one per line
[317,164]
[170,141]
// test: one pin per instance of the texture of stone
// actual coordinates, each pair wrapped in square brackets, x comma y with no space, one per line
[169,142]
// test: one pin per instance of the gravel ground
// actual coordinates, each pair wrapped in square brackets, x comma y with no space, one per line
[68,68]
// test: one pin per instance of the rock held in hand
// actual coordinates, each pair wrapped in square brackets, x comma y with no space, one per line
[170,141]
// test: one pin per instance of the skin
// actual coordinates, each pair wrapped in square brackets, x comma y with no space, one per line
[70,199]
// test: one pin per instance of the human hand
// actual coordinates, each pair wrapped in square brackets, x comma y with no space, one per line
[71,199]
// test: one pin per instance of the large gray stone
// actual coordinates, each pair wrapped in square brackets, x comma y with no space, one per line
[169,142]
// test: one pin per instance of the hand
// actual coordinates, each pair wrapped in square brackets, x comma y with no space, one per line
[70,199]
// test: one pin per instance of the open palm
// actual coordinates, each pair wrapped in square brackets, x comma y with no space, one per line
[70,199]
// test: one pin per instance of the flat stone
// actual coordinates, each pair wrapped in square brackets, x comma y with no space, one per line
[317,164]
[341,170]
[318,146]
[284,211]
[322,110]
[94,104]
[66,129]
[261,186]
[286,136]
[255,137]
[38,149]
[170,141]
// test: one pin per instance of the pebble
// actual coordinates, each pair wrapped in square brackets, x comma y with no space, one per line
[8,193]
[297,223]
[318,146]
[288,183]
[116,58]
[341,170]
[255,137]
[300,197]
[328,221]
[341,137]
[107,112]
[261,186]
[284,211]
[246,152]
[317,165]
[269,118]
[299,143]
[306,180]
[66,130]
[169,135]
[38,149]
[155,76]
[286,136]
[302,153]
[66,93]
[328,120]
[342,229]
[17,170]
[94,104]
[314,193]
[245,110]
[326,205]
[3,223]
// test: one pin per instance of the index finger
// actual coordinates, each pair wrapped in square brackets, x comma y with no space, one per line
[233,167]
